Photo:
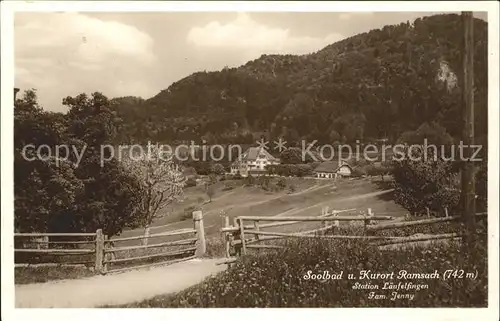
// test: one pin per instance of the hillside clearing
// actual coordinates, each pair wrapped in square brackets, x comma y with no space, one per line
[308,200]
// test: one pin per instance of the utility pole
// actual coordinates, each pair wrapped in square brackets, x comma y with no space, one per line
[468,185]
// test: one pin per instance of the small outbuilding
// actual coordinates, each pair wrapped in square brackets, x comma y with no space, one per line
[333,170]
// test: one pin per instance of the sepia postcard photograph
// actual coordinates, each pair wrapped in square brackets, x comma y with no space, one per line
[320,155]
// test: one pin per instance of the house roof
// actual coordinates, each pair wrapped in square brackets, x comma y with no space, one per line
[236,163]
[330,166]
[252,153]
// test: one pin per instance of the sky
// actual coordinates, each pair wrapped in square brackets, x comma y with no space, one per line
[140,54]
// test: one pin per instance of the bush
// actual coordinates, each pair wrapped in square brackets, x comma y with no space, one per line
[249,180]
[421,184]
[188,212]
[358,172]
[296,170]
[281,184]
[227,186]
[217,169]
[264,182]
[190,182]
[190,172]
[276,279]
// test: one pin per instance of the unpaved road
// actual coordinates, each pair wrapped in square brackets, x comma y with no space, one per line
[319,205]
[115,289]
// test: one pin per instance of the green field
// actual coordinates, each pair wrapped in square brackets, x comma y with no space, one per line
[308,200]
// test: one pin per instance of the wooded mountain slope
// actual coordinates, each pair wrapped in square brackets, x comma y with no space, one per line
[381,83]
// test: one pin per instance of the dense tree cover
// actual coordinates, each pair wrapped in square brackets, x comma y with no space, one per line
[64,193]
[376,84]
[432,178]
[425,183]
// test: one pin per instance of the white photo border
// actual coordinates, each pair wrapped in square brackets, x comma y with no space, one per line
[8,8]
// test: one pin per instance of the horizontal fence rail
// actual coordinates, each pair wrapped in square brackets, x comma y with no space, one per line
[154,264]
[316,218]
[281,223]
[138,258]
[140,237]
[53,234]
[419,222]
[54,251]
[299,235]
[69,264]
[149,246]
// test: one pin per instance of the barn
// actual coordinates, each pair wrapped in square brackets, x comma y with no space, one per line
[333,169]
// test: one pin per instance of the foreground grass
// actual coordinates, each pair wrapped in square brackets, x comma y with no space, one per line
[276,279]
[36,274]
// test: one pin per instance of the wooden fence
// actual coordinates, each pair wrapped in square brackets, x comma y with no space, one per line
[103,252]
[235,236]
[64,248]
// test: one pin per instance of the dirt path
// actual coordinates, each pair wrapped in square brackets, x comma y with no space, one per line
[325,203]
[115,289]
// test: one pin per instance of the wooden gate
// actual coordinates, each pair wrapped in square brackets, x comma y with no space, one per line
[169,247]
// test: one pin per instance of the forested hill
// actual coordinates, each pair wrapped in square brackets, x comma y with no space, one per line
[376,84]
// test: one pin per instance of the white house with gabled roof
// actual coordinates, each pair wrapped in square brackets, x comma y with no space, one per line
[253,161]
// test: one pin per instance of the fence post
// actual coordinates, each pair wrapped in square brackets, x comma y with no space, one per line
[428,212]
[336,224]
[324,224]
[226,235]
[367,221]
[256,225]
[201,245]
[99,250]
[106,256]
[145,240]
[242,236]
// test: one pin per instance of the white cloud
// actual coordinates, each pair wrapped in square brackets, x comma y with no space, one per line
[84,38]
[254,39]
[78,54]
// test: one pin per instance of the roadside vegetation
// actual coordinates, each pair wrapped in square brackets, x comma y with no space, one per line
[276,278]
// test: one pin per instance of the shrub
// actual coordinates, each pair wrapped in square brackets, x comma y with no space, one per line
[216,248]
[227,186]
[264,182]
[217,169]
[426,183]
[190,182]
[297,170]
[281,183]
[188,212]
[249,180]
[189,172]
[358,172]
